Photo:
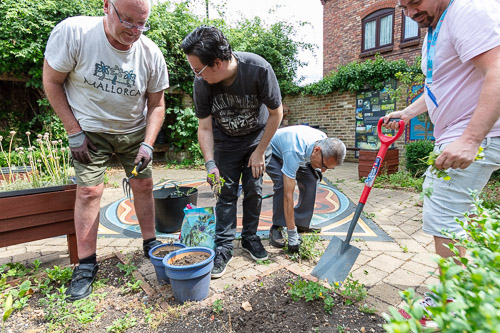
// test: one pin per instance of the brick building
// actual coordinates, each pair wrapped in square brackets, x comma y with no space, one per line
[358,29]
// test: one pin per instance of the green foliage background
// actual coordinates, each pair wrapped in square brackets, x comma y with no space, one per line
[26,25]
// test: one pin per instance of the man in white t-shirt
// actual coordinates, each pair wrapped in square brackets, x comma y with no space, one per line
[461,60]
[105,80]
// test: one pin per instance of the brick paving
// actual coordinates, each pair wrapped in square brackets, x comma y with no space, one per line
[384,267]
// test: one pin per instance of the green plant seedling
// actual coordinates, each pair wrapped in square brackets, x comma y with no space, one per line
[266,262]
[59,275]
[370,216]
[367,309]
[7,309]
[308,250]
[217,306]
[217,186]
[351,290]
[122,324]
[311,291]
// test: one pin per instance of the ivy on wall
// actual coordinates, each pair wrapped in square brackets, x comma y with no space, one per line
[361,75]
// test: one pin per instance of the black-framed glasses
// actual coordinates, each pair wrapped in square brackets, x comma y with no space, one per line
[198,74]
[129,25]
[323,166]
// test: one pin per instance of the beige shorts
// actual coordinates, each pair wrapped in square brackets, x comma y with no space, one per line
[124,146]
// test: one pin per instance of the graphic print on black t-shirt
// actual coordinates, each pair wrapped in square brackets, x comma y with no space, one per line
[236,115]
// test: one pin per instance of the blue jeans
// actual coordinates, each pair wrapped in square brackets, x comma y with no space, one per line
[307,184]
[232,166]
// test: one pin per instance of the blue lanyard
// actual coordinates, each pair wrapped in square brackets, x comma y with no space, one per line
[431,51]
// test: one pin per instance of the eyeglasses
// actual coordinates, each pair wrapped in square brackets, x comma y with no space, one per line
[198,74]
[129,25]
[323,166]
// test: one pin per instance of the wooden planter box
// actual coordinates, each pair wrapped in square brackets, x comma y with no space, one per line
[367,158]
[32,216]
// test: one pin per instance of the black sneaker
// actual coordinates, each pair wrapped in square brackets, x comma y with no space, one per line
[81,281]
[148,246]
[222,258]
[253,245]
[276,237]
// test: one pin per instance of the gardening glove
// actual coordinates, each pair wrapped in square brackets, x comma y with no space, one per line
[212,170]
[145,155]
[79,144]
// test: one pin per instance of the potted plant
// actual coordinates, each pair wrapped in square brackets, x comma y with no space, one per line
[40,203]
[169,206]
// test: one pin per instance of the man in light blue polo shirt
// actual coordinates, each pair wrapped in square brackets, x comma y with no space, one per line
[298,153]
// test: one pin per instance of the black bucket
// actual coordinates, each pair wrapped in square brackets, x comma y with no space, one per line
[169,206]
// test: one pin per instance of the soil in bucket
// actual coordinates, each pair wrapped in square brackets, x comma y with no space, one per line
[163,251]
[191,259]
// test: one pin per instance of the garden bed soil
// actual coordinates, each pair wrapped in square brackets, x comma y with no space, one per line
[261,305]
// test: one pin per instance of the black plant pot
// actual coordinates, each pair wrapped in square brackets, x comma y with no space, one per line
[169,206]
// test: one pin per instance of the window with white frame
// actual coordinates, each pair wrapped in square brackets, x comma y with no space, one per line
[378,30]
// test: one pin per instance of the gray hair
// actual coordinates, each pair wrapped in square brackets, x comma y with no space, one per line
[333,147]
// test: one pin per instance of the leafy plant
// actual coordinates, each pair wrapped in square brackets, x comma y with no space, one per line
[472,283]
[17,298]
[415,154]
[357,75]
[59,275]
[310,248]
[216,185]
[367,309]
[217,306]
[399,179]
[311,291]
[122,324]
[352,290]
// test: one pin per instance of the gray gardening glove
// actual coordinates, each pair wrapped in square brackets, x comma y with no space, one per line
[145,155]
[212,170]
[79,144]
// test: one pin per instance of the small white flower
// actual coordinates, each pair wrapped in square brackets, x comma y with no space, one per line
[1,138]
[12,133]
[28,133]
[39,136]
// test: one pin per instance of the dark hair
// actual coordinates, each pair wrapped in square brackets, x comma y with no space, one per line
[207,43]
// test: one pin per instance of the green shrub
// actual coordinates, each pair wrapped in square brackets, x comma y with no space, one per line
[474,285]
[416,152]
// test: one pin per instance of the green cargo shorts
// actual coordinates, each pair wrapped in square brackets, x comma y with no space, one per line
[124,146]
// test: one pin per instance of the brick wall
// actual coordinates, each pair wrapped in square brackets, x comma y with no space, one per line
[342,30]
[333,113]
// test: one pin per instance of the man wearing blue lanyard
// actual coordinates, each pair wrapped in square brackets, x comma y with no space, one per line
[461,60]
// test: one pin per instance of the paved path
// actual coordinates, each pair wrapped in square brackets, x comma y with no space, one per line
[384,267]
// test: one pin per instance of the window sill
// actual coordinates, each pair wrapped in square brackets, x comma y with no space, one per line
[373,52]
[409,43]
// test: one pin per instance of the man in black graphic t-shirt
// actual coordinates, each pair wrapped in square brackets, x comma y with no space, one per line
[238,103]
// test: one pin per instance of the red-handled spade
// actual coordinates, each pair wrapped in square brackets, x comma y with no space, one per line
[340,256]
